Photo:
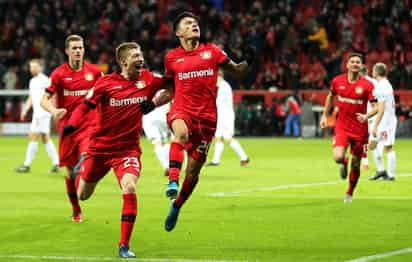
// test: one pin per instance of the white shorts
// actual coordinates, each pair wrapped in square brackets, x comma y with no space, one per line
[225,127]
[385,135]
[156,131]
[40,125]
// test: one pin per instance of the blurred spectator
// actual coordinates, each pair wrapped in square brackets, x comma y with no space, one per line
[10,78]
[292,124]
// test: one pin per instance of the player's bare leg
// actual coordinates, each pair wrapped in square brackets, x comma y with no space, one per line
[339,156]
[72,194]
[129,213]
[192,177]
[84,189]
[176,156]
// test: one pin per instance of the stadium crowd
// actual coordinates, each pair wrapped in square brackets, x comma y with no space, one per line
[299,45]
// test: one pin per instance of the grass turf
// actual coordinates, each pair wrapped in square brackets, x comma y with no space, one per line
[285,206]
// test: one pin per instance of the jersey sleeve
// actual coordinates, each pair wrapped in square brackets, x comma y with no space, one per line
[221,56]
[372,92]
[168,67]
[159,82]
[333,87]
[54,82]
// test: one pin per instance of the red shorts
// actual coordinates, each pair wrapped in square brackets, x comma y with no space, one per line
[201,133]
[70,148]
[95,167]
[358,146]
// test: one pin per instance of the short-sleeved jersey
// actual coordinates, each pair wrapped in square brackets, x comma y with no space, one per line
[37,86]
[195,76]
[72,86]
[352,98]
[369,106]
[384,93]
[118,116]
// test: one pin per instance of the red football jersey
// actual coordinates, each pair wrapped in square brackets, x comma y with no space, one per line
[118,117]
[71,87]
[352,98]
[195,77]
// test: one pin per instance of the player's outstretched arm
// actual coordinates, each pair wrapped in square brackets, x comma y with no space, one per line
[381,111]
[241,69]
[49,107]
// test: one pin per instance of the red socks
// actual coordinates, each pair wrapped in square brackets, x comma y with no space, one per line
[187,188]
[72,194]
[129,213]
[353,180]
[176,156]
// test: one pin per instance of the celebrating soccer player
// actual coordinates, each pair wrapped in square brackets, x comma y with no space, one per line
[114,142]
[71,82]
[353,92]
[194,68]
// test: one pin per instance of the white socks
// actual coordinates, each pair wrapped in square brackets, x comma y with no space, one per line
[238,149]
[51,151]
[162,153]
[391,163]
[219,146]
[30,153]
[377,156]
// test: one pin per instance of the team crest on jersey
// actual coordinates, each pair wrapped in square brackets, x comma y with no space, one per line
[358,90]
[89,76]
[341,87]
[206,55]
[140,84]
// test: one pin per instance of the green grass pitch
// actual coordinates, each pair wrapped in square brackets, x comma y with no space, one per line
[287,205]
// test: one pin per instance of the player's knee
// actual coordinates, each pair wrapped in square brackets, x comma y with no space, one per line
[128,185]
[338,158]
[182,138]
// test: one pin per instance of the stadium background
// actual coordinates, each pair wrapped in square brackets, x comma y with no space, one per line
[301,46]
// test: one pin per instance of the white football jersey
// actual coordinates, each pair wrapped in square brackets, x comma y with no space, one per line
[224,100]
[159,113]
[384,92]
[37,87]
[369,106]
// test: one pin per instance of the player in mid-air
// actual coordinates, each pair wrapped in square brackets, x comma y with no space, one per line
[352,92]
[226,123]
[194,68]
[384,127]
[156,130]
[114,142]
[40,123]
[70,82]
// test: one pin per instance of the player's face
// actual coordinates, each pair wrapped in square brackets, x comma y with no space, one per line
[75,51]
[134,61]
[188,28]
[374,73]
[354,64]
[34,68]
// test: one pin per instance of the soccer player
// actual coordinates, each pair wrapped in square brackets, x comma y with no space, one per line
[70,82]
[40,123]
[115,139]
[384,128]
[194,67]
[226,123]
[156,130]
[353,92]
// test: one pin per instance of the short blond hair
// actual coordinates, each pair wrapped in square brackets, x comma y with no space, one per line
[123,48]
[72,38]
[380,69]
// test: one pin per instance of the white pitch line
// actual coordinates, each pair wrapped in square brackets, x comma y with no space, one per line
[284,187]
[29,257]
[274,188]
[382,255]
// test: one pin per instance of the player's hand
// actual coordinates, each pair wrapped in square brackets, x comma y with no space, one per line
[323,121]
[361,117]
[59,113]
[374,132]
[249,54]
[22,116]
[147,106]
[68,129]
